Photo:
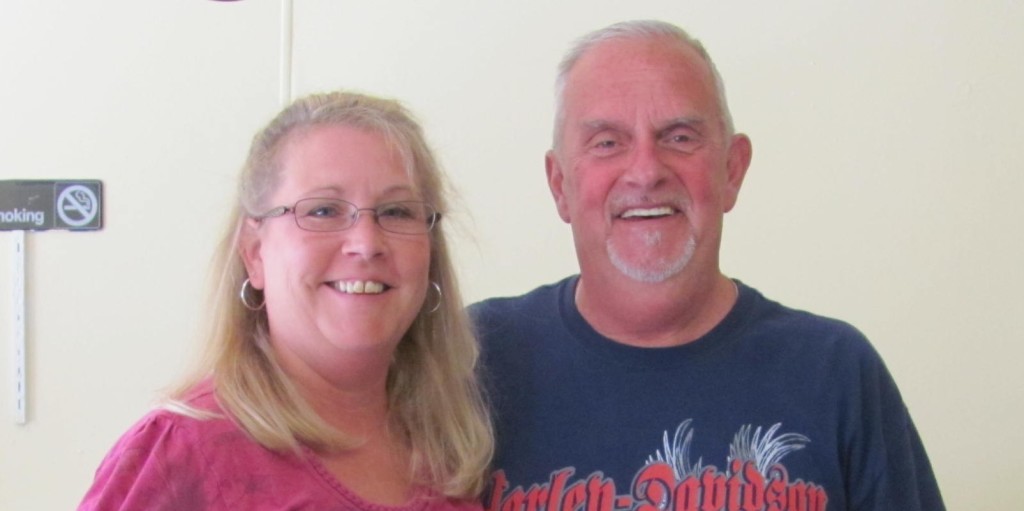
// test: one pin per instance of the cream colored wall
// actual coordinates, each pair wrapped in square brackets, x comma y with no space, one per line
[884,188]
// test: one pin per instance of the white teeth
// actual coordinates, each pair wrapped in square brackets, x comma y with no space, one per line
[359,287]
[648,212]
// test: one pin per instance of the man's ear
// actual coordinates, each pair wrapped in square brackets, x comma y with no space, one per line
[556,180]
[249,246]
[740,153]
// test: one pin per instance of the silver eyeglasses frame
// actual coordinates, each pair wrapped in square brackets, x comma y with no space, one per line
[352,213]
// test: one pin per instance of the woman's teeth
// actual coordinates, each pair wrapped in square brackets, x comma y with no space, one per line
[359,287]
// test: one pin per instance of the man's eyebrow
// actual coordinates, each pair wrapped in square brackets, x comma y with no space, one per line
[597,125]
[695,123]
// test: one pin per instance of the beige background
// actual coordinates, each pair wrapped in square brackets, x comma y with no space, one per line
[885,187]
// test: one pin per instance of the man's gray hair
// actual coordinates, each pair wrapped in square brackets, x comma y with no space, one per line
[637,29]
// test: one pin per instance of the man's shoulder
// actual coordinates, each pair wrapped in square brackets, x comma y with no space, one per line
[796,325]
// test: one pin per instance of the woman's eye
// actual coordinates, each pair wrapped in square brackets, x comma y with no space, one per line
[395,211]
[324,211]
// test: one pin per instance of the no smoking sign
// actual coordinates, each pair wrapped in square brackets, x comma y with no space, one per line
[77,206]
[38,205]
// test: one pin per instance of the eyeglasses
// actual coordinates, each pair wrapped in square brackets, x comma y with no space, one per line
[323,215]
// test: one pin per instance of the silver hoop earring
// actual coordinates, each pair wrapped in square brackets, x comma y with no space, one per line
[245,302]
[440,297]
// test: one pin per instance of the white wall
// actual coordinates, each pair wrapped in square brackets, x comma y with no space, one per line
[884,188]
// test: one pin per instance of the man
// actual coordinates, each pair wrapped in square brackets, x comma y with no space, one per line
[652,378]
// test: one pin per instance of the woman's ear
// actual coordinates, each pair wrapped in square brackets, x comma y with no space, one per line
[249,246]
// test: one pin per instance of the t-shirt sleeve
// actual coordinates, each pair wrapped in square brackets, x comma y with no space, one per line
[154,466]
[890,468]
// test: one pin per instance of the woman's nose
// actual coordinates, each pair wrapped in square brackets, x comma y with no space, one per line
[364,238]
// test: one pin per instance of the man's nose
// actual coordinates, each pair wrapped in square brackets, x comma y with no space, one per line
[646,167]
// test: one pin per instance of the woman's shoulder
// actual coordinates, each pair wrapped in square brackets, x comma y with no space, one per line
[185,454]
[174,430]
[160,458]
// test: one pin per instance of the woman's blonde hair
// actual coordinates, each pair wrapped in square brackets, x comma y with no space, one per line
[434,396]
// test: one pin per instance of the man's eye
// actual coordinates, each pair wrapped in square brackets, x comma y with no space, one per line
[682,140]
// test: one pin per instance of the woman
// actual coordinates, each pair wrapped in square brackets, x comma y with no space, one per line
[341,368]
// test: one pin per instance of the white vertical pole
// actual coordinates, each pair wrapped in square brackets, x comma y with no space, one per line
[20,379]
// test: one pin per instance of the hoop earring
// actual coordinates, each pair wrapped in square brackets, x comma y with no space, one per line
[440,297]
[245,302]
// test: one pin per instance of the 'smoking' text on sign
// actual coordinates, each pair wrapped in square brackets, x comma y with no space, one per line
[39,205]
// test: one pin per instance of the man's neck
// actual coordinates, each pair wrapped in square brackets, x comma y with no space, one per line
[654,315]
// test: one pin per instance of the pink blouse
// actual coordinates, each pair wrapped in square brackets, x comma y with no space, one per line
[168,461]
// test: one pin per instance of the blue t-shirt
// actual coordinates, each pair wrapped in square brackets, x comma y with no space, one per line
[772,409]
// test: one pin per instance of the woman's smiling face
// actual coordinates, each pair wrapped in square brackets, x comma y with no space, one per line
[353,291]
